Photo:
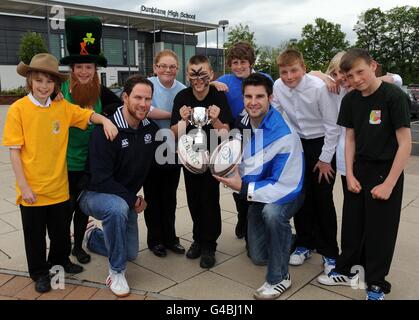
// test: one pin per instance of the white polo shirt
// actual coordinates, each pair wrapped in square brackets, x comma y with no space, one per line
[311,110]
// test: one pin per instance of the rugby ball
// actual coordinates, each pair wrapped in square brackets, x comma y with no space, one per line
[194,161]
[225,158]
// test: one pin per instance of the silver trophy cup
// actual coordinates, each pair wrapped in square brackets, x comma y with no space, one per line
[199,118]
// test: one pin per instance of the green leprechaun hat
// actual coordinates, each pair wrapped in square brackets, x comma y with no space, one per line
[83,35]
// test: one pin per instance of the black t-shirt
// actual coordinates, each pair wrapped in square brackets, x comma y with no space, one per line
[214,97]
[375,119]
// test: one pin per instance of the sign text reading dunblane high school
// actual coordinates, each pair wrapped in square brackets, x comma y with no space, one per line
[167,13]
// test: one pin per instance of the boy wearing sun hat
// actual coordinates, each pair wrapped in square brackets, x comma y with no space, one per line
[36,133]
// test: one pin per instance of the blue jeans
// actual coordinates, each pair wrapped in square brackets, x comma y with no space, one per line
[119,238]
[269,236]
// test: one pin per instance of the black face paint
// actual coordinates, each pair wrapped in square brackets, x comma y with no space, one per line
[196,74]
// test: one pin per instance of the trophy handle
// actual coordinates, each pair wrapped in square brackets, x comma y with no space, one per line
[208,118]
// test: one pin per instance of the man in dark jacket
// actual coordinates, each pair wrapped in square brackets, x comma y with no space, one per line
[117,172]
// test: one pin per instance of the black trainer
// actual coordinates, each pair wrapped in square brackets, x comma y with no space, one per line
[159,250]
[207,260]
[73,268]
[81,255]
[43,284]
[176,248]
[194,251]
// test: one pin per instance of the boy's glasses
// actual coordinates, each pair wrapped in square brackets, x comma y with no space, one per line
[165,67]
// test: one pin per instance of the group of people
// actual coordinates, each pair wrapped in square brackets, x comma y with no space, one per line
[304,128]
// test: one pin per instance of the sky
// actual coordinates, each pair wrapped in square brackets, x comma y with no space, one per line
[272,21]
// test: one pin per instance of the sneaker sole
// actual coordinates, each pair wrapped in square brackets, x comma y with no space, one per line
[342,284]
[121,295]
[298,264]
[257,295]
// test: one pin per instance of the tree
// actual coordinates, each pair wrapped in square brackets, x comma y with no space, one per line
[403,42]
[320,42]
[266,61]
[392,38]
[371,30]
[240,33]
[31,44]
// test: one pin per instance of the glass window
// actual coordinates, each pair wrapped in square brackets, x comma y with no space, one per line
[189,52]
[178,49]
[55,45]
[132,53]
[113,51]
[141,57]
[149,59]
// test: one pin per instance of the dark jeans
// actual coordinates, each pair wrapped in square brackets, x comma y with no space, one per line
[160,194]
[315,222]
[203,195]
[269,233]
[369,226]
[79,219]
[36,221]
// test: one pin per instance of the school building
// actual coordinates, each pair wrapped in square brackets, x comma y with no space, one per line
[129,39]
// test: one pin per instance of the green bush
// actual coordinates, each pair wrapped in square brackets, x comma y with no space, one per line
[20,91]
[31,44]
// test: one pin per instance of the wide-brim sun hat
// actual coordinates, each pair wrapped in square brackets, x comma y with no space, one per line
[42,62]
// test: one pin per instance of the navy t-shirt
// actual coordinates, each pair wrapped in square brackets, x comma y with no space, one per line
[375,119]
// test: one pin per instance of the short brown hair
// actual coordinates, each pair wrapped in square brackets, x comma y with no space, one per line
[165,53]
[32,74]
[258,79]
[349,58]
[242,51]
[133,81]
[290,56]
[198,59]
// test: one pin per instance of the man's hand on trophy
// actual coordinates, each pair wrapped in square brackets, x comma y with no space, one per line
[213,113]
[185,113]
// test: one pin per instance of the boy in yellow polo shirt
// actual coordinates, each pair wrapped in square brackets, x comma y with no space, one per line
[36,132]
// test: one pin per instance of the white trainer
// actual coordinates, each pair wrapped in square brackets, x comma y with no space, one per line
[328,264]
[118,284]
[265,285]
[272,291]
[336,279]
[299,255]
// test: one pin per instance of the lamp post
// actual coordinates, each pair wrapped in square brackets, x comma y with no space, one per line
[223,24]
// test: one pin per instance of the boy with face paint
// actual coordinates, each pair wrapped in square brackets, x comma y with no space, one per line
[202,190]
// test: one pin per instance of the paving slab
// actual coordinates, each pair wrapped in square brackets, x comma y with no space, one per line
[175,267]
[210,286]
[310,292]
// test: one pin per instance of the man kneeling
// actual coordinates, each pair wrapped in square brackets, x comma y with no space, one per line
[117,172]
[271,179]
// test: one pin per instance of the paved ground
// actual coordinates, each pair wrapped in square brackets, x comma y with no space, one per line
[234,277]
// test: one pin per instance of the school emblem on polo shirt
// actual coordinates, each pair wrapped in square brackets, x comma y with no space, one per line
[148,138]
[56,127]
[375,117]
